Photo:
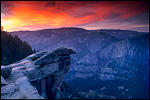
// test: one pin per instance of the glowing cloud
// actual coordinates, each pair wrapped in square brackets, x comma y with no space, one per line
[32,15]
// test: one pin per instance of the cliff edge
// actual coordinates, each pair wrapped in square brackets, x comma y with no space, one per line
[38,76]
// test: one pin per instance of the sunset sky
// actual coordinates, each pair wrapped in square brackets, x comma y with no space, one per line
[36,15]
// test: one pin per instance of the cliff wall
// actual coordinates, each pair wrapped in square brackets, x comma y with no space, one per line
[38,76]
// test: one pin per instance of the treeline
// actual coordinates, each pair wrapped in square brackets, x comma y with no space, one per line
[13,49]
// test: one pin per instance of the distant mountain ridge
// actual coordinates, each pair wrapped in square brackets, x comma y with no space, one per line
[103,56]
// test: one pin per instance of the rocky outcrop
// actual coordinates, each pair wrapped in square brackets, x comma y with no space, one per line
[6,71]
[102,56]
[38,76]
[3,81]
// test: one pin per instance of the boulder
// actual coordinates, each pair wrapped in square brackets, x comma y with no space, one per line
[6,71]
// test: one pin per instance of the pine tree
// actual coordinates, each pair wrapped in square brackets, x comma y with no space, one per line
[13,49]
[4,61]
[34,50]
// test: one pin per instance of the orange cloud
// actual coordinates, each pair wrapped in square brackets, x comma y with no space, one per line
[30,15]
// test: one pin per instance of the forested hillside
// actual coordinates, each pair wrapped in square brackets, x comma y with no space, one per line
[13,49]
[105,60]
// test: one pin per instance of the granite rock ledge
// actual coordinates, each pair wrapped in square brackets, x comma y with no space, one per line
[38,76]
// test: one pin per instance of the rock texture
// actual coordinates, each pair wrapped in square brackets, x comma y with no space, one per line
[119,56]
[6,71]
[38,76]
[3,81]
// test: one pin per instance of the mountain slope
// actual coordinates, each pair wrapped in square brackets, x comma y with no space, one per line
[103,57]
[122,64]
[13,49]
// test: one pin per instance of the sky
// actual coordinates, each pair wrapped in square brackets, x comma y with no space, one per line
[91,15]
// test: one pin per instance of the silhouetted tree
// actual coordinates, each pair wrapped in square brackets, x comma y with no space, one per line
[13,49]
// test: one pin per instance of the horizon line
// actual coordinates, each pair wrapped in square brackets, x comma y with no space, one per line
[81,28]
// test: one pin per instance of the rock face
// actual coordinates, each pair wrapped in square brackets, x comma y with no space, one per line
[3,81]
[103,57]
[38,76]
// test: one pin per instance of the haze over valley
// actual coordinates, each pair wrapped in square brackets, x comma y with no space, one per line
[75,49]
[102,57]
